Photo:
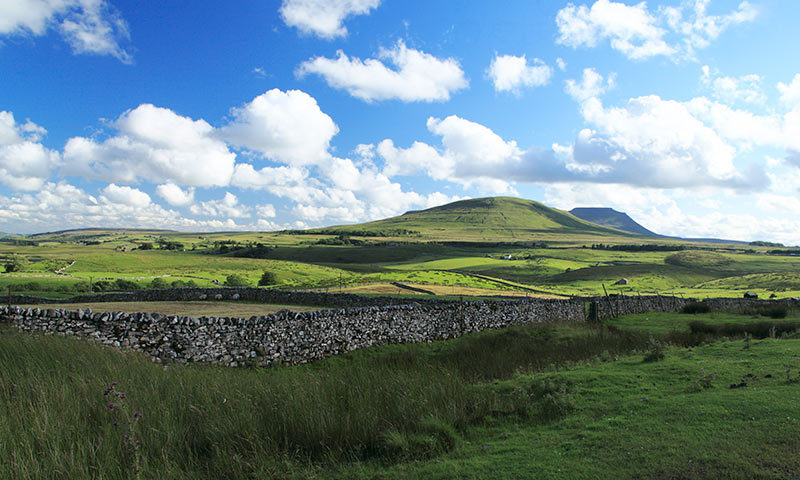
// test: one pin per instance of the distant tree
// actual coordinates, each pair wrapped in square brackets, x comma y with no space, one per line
[267,278]
[146,246]
[122,284]
[236,280]
[16,263]
[158,283]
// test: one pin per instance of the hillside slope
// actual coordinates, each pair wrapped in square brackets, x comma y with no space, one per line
[488,219]
[609,217]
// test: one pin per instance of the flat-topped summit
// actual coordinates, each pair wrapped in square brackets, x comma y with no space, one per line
[611,218]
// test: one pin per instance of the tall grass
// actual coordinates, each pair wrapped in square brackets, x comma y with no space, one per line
[201,421]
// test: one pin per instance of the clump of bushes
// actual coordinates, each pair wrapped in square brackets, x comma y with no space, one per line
[236,280]
[267,278]
[433,437]
[773,311]
[695,308]
[703,382]
[654,352]
[552,398]
[16,263]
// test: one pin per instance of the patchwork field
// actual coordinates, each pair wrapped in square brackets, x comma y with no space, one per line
[116,261]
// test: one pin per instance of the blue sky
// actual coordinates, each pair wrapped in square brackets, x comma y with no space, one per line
[263,115]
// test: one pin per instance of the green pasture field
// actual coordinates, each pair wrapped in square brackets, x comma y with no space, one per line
[538,401]
[298,262]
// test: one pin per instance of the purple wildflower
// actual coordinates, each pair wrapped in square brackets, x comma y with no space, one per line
[111,406]
[123,395]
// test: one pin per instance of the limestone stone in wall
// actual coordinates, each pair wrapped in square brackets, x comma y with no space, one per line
[292,338]
[288,337]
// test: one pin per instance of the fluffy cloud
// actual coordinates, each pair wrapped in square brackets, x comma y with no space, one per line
[266,210]
[286,127]
[419,157]
[60,205]
[153,144]
[632,30]
[417,76]
[639,33]
[472,155]
[24,163]
[124,196]
[790,94]
[746,88]
[648,142]
[591,85]
[226,207]
[510,73]
[656,143]
[773,130]
[699,28]
[89,26]
[175,195]
[323,17]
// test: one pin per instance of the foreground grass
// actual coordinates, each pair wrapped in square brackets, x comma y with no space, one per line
[646,420]
[535,401]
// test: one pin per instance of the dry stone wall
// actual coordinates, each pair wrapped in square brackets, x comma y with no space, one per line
[290,338]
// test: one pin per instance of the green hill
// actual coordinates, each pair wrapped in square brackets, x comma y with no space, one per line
[487,219]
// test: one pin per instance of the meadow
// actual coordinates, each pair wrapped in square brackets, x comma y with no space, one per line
[639,397]
[368,264]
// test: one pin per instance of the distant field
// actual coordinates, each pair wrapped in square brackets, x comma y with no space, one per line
[568,266]
[187,309]
[450,290]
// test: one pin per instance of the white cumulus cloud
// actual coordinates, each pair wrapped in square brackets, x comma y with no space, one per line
[591,84]
[510,73]
[416,76]
[323,18]
[226,207]
[790,94]
[175,195]
[746,89]
[25,164]
[123,195]
[89,26]
[153,144]
[286,127]
[639,33]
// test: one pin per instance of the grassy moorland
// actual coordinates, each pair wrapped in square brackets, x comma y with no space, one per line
[641,397]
